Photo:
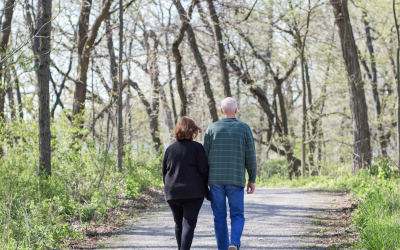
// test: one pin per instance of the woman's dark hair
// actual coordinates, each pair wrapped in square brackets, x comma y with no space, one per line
[186,129]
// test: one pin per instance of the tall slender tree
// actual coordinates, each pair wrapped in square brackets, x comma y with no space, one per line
[44,82]
[398,81]
[5,37]
[120,87]
[220,48]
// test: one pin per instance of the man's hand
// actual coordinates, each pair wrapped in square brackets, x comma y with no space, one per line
[250,187]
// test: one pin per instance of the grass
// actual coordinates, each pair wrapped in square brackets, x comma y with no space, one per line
[377,217]
[85,186]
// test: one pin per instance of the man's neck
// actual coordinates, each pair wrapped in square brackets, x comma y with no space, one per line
[228,116]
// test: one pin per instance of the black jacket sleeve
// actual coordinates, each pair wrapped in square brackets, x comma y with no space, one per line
[164,165]
[202,163]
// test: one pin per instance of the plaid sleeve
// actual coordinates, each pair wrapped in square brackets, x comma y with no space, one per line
[250,158]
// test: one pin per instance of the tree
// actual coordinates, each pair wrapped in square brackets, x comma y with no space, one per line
[178,58]
[44,82]
[362,143]
[5,36]
[199,60]
[398,82]
[373,78]
[85,45]
[220,48]
[120,87]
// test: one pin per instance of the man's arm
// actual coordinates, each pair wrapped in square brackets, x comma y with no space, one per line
[250,161]
[206,143]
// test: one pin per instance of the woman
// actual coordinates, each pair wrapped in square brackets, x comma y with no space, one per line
[185,175]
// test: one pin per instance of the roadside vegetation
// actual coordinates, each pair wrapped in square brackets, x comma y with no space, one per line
[84,191]
[376,219]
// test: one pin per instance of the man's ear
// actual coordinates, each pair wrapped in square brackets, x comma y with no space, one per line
[235,110]
[222,111]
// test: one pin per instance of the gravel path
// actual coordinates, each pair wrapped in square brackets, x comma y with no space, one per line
[276,218]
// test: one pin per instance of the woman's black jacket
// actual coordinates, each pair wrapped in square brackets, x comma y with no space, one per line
[185,171]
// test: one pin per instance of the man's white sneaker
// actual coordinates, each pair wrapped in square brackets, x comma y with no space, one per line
[233,247]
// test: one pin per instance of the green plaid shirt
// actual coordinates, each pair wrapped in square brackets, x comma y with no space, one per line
[229,146]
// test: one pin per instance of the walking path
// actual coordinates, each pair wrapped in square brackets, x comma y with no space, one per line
[276,218]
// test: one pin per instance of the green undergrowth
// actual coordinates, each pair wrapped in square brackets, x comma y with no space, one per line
[46,213]
[377,217]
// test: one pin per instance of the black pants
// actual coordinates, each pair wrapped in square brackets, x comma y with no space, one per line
[185,212]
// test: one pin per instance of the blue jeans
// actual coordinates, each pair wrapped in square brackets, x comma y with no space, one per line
[235,195]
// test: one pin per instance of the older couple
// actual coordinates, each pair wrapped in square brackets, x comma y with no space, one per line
[189,168]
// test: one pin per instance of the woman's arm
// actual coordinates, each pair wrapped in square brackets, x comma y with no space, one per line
[202,163]
[164,165]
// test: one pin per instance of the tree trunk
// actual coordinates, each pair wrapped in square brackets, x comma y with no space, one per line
[113,60]
[5,36]
[19,97]
[85,46]
[304,121]
[177,55]
[374,82]
[398,83]
[155,135]
[10,92]
[199,60]
[120,87]
[34,29]
[358,105]
[313,121]
[167,112]
[44,82]
[220,47]
[171,89]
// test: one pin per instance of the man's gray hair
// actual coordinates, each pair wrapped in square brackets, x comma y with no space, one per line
[228,104]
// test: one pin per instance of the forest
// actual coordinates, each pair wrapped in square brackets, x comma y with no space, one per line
[91,91]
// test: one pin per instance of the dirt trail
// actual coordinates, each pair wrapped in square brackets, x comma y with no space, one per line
[276,218]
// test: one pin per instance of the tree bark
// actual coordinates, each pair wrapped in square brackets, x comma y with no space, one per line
[155,135]
[199,60]
[374,82]
[10,92]
[120,87]
[220,47]
[19,97]
[85,45]
[304,116]
[5,37]
[398,83]
[34,29]
[167,112]
[313,121]
[178,57]
[358,105]
[44,82]
[171,88]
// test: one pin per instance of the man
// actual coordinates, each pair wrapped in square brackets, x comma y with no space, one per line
[229,146]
